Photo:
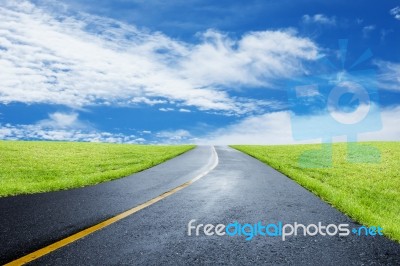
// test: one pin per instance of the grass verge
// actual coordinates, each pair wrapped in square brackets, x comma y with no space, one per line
[31,167]
[367,192]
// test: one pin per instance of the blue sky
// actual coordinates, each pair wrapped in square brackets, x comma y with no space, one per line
[198,71]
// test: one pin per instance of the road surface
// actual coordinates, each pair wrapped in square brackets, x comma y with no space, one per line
[240,188]
[29,222]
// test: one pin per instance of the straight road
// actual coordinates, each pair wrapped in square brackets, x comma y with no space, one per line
[239,189]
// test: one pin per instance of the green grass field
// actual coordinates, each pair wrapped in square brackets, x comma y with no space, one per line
[367,192]
[31,167]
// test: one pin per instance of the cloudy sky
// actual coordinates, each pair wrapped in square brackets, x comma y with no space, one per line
[192,71]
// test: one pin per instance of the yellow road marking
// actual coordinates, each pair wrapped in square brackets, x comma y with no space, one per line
[61,243]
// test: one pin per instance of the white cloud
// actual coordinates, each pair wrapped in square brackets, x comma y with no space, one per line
[37,132]
[62,120]
[388,75]
[320,19]
[183,110]
[307,91]
[174,136]
[255,59]
[367,30]
[270,128]
[390,129]
[163,109]
[81,60]
[276,128]
[395,12]
[63,127]
[147,101]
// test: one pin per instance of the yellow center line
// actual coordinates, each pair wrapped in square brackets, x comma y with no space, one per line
[68,240]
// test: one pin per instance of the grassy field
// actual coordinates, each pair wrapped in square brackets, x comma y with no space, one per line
[30,167]
[367,192]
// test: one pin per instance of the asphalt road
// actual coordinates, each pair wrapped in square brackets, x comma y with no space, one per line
[30,222]
[239,189]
